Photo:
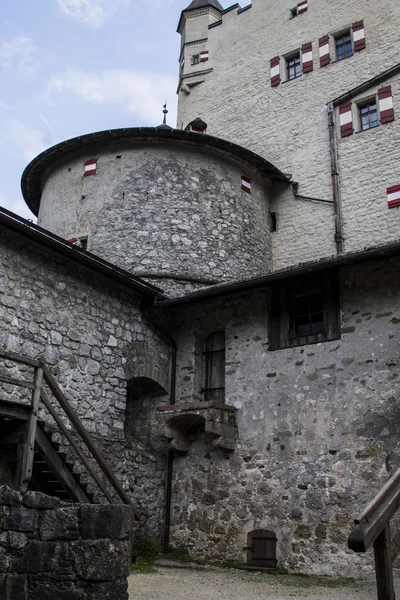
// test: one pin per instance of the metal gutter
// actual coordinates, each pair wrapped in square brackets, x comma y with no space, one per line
[295,186]
[76,254]
[266,280]
[367,85]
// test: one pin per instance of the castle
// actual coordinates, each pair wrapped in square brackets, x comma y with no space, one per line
[220,301]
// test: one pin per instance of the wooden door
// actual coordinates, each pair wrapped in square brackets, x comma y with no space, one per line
[261,549]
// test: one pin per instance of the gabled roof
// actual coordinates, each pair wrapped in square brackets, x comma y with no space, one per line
[201,3]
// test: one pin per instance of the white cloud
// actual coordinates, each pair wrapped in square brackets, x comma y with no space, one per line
[19,56]
[28,142]
[142,93]
[91,13]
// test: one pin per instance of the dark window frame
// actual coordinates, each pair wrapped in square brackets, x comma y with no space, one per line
[214,367]
[195,59]
[365,117]
[344,45]
[294,67]
[283,330]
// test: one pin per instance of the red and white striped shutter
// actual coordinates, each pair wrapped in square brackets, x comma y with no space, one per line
[307,57]
[275,71]
[204,56]
[393,196]
[358,36]
[90,167]
[302,7]
[197,129]
[324,51]
[386,109]
[346,118]
[73,241]
[246,184]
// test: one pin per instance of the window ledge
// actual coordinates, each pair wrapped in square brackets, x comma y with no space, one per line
[369,129]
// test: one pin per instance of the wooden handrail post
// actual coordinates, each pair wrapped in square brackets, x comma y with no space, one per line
[383,566]
[29,450]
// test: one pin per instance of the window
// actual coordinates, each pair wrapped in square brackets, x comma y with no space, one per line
[369,117]
[273,222]
[305,310]
[196,59]
[293,12]
[83,243]
[214,360]
[344,46]
[294,66]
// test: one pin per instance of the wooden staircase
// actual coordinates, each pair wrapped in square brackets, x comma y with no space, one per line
[72,469]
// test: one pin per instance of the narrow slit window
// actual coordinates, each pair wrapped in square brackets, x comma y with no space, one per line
[214,359]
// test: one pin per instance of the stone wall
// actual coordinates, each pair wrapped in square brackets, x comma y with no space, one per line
[92,334]
[55,551]
[318,427]
[166,210]
[288,124]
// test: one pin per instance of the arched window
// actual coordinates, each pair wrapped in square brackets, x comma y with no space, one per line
[214,360]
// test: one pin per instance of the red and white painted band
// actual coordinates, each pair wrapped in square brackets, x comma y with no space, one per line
[307,57]
[246,183]
[393,193]
[274,71]
[358,35]
[346,118]
[386,103]
[91,167]
[302,6]
[323,50]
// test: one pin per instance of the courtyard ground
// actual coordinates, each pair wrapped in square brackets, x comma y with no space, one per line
[231,584]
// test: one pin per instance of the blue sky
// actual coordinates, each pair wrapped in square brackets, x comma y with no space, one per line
[69,67]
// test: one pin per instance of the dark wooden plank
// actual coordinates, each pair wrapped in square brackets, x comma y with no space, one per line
[383,566]
[27,463]
[19,359]
[58,468]
[19,382]
[13,410]
[92,447]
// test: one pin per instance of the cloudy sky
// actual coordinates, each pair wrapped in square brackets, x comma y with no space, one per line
[69,67]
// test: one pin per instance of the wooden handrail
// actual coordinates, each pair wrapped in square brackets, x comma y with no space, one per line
[42,372]
[373,528]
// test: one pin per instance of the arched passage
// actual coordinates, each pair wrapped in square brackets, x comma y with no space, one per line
[142,397]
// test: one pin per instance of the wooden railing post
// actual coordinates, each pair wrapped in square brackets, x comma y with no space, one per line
[29,449]
[383,565]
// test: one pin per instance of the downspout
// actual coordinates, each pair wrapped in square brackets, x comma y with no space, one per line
[335,180]
[170,458]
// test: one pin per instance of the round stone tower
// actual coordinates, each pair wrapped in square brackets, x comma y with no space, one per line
[178,208]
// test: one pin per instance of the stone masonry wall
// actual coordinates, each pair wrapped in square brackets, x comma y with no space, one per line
[55,551]
[93,336]
[163,210]
[288,124]
[318,427]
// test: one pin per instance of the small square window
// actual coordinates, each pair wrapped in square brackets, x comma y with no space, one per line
[305,310]
[369,117]
[293,12]
[293,64]
[196,59]
[344,46]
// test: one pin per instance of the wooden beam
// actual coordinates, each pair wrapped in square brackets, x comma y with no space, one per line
[383,566]
[12,410]
[57,466]
[27,463]
[93,449]
[19,382]
[19,359]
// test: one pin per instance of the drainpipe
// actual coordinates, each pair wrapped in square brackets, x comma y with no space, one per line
[335,180]
[170,458]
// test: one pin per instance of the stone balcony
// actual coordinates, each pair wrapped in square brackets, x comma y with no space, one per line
[183,424]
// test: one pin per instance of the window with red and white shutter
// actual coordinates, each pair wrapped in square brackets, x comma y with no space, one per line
[346,118]
[386,108]
[324,51]
[358,36]
[307,57]
[275,71]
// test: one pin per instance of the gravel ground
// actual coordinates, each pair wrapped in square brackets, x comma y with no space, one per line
[229,584]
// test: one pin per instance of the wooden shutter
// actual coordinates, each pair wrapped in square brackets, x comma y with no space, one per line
[346,119]
[393,196]
[386,109]
[324,51]
[302,7]
[90,167]
[358,36]
[204,56]
[307,57]
[275,71]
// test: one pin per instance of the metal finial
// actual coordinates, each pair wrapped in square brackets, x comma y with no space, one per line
[165,111]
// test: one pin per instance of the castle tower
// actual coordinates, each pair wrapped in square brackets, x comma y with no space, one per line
[178,208]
